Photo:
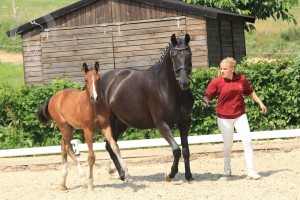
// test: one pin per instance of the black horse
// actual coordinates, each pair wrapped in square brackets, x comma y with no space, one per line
[158,97]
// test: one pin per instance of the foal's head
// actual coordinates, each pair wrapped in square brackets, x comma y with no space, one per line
[181,56]
[91,81]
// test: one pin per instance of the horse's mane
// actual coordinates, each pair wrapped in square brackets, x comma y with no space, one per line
[180,42]
[164,53]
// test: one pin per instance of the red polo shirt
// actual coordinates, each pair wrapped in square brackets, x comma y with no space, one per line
[230,95]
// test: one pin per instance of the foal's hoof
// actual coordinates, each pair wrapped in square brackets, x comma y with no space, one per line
[128,180]
[90,188]
[62,187]
[167,178]
[110,169]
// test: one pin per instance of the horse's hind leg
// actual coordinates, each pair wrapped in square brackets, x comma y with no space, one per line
[123,172]
[68,136]
[88,135]
[64,172]
[66,149]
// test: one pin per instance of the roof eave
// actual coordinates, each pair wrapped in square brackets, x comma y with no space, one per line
[169,4]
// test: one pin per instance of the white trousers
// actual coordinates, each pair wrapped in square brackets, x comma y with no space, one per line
[241,126]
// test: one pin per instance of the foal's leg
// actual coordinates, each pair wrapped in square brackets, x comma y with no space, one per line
[88,135]
[184,129]
[115,148]
[167,134]
[66,149]
[67,132]
[64,171]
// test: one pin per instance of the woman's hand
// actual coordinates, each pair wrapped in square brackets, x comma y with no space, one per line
[205,101]
[263,108]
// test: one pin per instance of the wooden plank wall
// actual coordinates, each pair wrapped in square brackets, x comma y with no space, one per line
[32,59]
[239,40]
[66,49]
[114,11]
[225,39]
[213,42]
[141,43]
[131,44]
[196,28]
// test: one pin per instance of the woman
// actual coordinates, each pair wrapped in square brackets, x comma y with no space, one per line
[230,89]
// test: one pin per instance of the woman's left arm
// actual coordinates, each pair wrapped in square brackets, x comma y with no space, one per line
[254,96]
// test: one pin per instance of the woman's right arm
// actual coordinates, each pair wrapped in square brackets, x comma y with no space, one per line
[210,93]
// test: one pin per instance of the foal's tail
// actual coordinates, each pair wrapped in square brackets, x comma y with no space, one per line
[43,113]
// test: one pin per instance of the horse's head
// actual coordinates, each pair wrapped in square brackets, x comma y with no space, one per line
[181,56]
[91,81]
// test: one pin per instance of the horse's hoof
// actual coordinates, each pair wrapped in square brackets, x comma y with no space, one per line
[112,171]
[128,180]
[62,187]
[90,188]
[167,178]
[89,184]
[190,180]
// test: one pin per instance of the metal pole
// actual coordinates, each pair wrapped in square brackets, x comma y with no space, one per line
[14,9]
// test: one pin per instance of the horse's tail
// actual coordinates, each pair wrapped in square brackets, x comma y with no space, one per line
[43,113]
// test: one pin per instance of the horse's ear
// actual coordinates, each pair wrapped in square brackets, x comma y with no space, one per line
[85,67]
[187,39]
[174,40]
[97,66]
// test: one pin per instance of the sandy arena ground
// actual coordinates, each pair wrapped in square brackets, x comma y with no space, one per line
[278,161]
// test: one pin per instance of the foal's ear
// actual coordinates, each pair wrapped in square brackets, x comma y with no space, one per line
[187,39]
[85,67]
[96,66]
[174,40]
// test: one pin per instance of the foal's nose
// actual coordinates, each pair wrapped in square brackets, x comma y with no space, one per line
[94,99]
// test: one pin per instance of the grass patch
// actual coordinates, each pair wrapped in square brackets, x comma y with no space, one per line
[11,74]
[274,38]
[26,10]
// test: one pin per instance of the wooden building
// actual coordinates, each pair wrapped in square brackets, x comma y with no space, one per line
[125,33]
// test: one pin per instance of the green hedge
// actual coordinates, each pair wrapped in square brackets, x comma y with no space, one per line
[276,83]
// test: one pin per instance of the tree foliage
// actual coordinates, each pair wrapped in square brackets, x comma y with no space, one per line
[263,9]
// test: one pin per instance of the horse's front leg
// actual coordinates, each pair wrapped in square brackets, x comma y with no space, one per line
[116,152]
[64,170]
[88,135]
[167,134]
[184,129]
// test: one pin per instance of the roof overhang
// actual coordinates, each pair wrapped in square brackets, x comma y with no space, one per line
[169,4]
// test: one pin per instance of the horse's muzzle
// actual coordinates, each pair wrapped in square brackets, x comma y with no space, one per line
[94,99]
[184,86]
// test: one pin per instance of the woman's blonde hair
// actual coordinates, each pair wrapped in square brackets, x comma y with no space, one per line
[229,60]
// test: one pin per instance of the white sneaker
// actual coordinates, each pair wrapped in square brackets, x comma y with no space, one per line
[254,175]
[227,168]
